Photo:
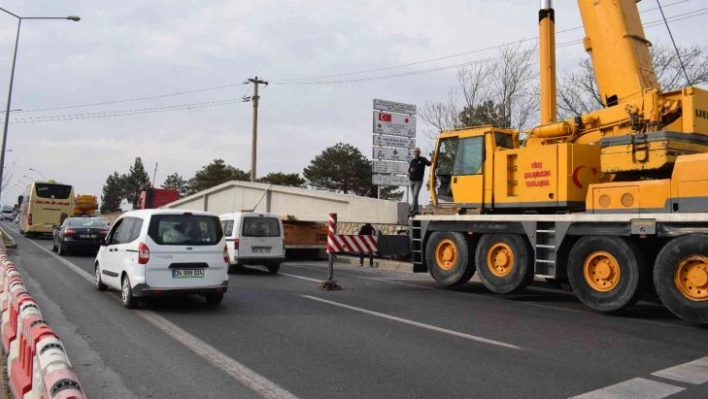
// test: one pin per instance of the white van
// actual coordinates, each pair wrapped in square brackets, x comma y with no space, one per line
[254,239]
[157,252]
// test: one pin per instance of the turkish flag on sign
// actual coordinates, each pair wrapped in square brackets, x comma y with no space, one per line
[384,117]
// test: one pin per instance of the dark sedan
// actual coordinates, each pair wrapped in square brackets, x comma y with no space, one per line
[79,233]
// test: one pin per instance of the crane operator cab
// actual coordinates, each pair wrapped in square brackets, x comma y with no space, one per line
[457,176]
[485,169]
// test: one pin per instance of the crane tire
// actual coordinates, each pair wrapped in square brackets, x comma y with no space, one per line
[504,263]
[681,277]
[607,274]
[448,258]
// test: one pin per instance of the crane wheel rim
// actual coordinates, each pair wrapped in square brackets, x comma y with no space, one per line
[446,254]
[500,259]
[691,278]
[602,271]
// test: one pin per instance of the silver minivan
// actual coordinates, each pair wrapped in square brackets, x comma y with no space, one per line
[157,252]
[254,239]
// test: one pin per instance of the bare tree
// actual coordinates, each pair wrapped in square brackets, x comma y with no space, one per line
[578,93]
[442,115]
[514,86]
[504,85]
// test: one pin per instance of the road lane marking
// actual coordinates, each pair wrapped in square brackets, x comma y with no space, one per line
[238,371]
[301,277]
[382,280]
[416,324]
[695,372]
[634,388]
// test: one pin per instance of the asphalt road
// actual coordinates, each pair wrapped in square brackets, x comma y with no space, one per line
[385,335]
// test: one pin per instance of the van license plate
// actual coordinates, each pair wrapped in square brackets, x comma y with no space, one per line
[261,250]
[188,273]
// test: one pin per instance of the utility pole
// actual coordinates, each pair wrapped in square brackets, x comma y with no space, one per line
[154,175]
[254,143]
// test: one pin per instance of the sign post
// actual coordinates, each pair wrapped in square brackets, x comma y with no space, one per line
[330,284]
[394,128]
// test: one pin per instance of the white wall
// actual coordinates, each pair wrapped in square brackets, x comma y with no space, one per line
[304,204]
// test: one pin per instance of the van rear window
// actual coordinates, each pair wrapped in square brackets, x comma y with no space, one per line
[54,191]
[260,227]
[228,227]
[185,230]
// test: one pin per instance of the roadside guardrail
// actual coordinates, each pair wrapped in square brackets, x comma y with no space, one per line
[37,363]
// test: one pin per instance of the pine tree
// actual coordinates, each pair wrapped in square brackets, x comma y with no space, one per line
[112,193]
[216,173]
[176,182]
[341,168]
[135,181]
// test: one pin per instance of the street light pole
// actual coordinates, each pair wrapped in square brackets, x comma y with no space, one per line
[12,80]
[39,173]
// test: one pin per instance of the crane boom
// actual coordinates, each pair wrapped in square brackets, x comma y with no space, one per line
[614,38]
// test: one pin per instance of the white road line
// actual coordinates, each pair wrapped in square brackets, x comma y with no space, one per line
[238,371]
[634,388]
[416,324]
[695,372]
[301,277]
[382,280]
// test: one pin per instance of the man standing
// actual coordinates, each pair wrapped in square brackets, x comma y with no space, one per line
[367,230]
[416,171]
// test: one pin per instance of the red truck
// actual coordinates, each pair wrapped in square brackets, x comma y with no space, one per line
[157,197]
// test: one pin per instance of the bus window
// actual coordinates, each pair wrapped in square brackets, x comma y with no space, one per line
[55,191]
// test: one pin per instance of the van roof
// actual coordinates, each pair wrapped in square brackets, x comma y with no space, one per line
[149,212]
[235,215]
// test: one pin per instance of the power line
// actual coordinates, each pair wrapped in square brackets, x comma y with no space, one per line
[110,114]
[678,17]
[282,81]
[181,93]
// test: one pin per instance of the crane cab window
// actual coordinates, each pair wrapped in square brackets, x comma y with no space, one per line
[504,140]
[470,157]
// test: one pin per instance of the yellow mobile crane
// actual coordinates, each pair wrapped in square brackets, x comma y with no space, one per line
[611,201]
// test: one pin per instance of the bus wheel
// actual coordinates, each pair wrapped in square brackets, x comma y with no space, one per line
[607,273]
[681,277]
[504,263]
[448,258]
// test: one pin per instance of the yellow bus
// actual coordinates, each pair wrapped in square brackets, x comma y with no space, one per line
[45,205]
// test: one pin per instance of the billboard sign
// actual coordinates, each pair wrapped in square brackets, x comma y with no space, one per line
[391,141]
[390,180]
[394,124]
[390,106]
[390,167]
[392,154]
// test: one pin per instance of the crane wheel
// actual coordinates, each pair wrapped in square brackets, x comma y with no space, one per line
[504,263]
[607,273]
[681,277]
[448,258]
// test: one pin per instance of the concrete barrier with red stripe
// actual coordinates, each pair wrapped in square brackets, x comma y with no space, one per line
[37,364]
[337,243]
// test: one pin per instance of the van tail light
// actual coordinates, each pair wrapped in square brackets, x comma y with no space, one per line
[143,254]
[29,220]
[226,253]
[68,233]
[236,243]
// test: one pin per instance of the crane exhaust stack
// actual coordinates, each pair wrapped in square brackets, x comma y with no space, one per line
[547,39]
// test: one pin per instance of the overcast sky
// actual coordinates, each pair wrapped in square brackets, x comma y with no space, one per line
[131,49]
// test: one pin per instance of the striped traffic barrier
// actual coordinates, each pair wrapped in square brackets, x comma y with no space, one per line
[57,376]
[17,294]
[20,366]
[351,243]
[37,364]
